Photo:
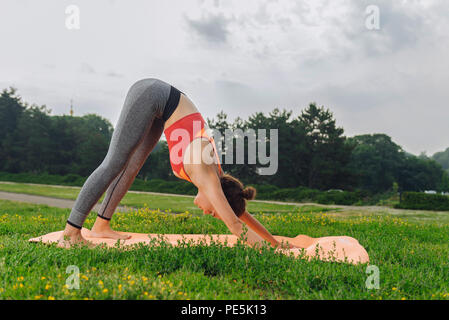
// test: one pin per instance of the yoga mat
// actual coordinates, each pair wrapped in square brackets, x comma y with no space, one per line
[340,247]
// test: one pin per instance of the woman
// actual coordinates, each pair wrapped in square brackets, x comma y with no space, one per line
[151,107]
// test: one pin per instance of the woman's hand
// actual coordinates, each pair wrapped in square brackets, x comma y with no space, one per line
[255,225]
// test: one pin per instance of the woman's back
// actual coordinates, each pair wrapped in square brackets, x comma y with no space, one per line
[185,107]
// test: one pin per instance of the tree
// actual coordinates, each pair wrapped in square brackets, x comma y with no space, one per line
[444,184]
[11,109]
[92,134]
[221,124]
[420,174]
[375,161]
[379,162]
[289,146]
[28,145]
[326,153]
[289,137]
[158,165]
[442,158]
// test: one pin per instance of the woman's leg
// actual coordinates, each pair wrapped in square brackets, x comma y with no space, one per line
[145,101]
[123,182]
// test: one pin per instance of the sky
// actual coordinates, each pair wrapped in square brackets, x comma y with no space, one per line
[240,57]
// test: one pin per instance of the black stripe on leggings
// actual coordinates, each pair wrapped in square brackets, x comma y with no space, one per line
[104,217]
[73,225]
[112,192]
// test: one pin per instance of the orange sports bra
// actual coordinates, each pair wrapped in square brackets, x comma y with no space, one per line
[180,134]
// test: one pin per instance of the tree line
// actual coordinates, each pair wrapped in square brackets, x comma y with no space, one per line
[312,150]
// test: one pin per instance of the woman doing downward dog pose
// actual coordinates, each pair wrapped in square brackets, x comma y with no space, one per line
[152,107]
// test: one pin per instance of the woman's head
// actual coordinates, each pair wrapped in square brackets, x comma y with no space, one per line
[235,193]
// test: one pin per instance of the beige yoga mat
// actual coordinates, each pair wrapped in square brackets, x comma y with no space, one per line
[329,248]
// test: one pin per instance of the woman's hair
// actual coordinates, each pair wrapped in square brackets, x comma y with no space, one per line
[236,194]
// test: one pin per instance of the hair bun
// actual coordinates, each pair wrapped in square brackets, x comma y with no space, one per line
[249,193]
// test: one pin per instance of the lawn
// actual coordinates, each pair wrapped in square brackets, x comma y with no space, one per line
[412,256]
[172,203]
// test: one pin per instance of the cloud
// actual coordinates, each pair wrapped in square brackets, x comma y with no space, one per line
[243,57]
[49,66]
[113,74]
[404,25]
[210,27]
[234,94]
[357,97]
[232,88]
[87,68]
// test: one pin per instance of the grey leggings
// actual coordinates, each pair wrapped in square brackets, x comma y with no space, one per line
[148,104]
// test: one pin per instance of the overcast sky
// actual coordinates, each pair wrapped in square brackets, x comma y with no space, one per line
[241,57]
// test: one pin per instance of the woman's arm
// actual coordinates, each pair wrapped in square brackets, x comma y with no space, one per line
[254,224]
[227,215]
[210,184]
[204,177]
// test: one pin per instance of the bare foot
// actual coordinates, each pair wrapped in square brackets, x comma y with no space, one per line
[69,240]
[108,233]
[102,229]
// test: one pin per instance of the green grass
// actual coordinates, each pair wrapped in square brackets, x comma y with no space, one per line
[174,203]
[412,258]
[178,204]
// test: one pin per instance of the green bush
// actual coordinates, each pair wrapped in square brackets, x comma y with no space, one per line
[264,189]
[303,194]
[43,178]
[153,185]
[159,185]
[423,201]
[308,195]
[71,178]
[336,197]
[287,194]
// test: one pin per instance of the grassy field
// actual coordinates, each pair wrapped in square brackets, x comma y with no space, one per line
[411,254]
[173,203]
